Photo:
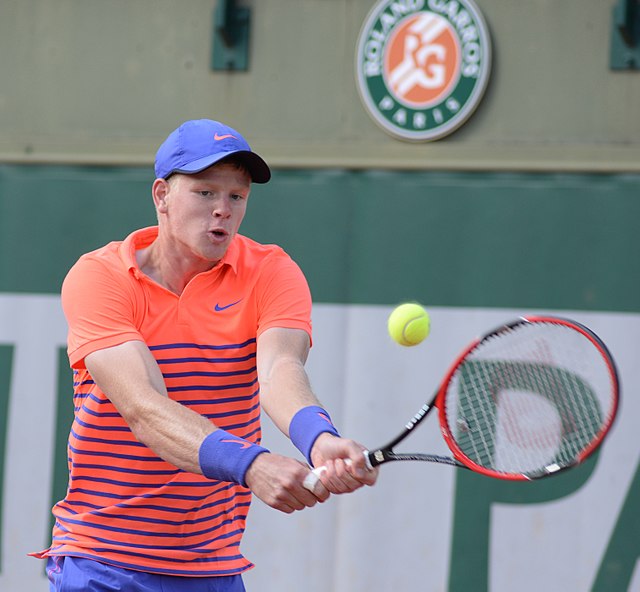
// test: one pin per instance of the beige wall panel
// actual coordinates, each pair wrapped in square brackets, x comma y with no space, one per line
[104,81]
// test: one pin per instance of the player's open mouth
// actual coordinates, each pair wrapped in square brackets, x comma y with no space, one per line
[218,235]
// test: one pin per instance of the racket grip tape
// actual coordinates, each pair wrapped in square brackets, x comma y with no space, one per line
[313,477]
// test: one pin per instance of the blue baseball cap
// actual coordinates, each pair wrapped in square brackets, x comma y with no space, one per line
[200,143]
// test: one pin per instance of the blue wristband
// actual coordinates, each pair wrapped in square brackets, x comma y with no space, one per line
[226,457]
[305,427]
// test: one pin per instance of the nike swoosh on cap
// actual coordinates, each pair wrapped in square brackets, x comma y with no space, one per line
[218,137]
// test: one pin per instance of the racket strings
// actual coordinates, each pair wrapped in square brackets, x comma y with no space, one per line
[529,399]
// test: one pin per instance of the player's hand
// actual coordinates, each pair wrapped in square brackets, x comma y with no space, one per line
[277,481]
[345,466]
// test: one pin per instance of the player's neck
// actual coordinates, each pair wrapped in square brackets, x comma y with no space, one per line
[169,269]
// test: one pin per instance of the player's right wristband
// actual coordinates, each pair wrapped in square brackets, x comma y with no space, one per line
[226,457]
[305,427]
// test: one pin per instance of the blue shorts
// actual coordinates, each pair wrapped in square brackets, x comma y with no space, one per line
[77,574]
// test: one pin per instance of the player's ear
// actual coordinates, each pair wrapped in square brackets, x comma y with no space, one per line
[159,190]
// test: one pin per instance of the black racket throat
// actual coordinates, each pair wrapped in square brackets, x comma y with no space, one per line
[380,456]
[386,453]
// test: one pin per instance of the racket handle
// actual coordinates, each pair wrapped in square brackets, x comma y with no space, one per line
[313,477]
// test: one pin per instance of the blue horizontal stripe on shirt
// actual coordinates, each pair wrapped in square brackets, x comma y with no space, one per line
[202,548]
[103,441]
[95,453]
[145,533]
[166,522]
[194,402]
[102,428]
[212,387]
[158,496]
[210,374]
[99,400]
[240,426]
[91,479]
[189,360]
[234,413]
[127,506]
[126,470]
[71,504]
[102,453]
[99,512]
[127,429]
[201,346]
[110,414]
[193,547]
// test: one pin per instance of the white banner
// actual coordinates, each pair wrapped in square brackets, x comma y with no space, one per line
[395,536]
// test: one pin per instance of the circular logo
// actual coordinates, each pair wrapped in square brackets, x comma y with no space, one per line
[423,65]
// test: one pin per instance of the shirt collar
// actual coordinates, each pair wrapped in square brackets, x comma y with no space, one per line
[142,238]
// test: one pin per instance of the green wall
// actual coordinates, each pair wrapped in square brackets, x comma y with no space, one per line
[452,239]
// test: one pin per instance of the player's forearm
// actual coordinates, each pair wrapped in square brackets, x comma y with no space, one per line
[129,376]
[174,432]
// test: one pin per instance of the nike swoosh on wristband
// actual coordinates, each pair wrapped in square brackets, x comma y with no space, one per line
[218,308]
[223,137]
[242,443]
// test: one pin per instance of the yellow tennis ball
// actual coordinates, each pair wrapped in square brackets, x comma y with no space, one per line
[409,324]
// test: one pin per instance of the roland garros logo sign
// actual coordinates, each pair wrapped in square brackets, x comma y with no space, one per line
[423,65]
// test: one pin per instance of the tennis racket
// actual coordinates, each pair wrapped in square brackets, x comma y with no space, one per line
[527,400]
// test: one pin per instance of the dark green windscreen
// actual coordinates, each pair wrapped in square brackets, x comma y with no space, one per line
[448,239]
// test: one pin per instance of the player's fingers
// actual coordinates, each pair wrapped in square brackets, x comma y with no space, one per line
[324,476]
[358,463]
[337,478]
[361,469]
[348,474]
[292,499]
[365,476]
[277,481]
[302,495]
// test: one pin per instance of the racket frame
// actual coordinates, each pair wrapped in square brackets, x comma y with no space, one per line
[387,454]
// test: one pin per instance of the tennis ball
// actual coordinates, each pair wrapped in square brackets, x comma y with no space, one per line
[409,324]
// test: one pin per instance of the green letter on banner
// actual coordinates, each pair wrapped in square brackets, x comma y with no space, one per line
[469,567]
[616,569]
[64,418]
[6,357]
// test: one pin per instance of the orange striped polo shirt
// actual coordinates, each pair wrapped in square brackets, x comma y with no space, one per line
[125,505]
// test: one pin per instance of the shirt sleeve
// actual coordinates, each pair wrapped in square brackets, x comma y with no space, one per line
[100,307]
[284,298]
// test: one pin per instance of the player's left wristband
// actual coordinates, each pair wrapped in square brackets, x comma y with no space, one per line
[226,457]
[305,427]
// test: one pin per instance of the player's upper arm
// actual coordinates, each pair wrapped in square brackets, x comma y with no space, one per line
[279,344]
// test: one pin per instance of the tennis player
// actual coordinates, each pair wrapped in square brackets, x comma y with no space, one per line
[178,337]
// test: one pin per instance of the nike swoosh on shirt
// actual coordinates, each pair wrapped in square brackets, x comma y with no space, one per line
[223,137]
[243,444]
[218,308]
